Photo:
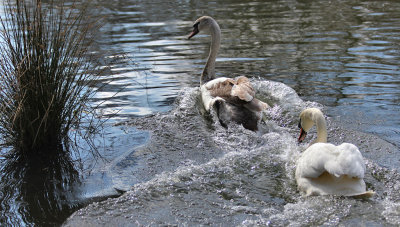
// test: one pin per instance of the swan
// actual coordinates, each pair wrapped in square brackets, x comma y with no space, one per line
[326,169]
[233,98]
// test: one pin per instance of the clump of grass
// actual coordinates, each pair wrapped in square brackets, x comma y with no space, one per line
[45,73]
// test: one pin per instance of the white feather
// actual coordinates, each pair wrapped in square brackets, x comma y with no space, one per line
[205,90]
[326,169]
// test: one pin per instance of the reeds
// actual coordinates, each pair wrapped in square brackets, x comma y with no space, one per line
[45,73]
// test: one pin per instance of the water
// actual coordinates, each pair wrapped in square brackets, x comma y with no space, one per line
[341,56]
[194,172]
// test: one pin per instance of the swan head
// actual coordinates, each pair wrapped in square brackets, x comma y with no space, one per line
[308,118]
[204,23]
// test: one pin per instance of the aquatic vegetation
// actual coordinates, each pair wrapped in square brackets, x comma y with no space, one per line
[45,73]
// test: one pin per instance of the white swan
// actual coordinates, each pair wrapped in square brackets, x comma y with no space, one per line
[326,169]
[233,99]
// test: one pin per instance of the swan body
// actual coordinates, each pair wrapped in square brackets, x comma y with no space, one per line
[326,169]
[233,98]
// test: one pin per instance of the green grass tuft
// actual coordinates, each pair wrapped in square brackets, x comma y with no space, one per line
[45,73]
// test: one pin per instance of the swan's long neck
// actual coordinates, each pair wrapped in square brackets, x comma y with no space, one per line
[322,134]
[209,69]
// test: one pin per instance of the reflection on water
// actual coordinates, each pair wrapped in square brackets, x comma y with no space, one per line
[37,192]
[342,54]
[44,191]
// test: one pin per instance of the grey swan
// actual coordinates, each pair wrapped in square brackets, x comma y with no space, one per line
[233,98]
[326,169]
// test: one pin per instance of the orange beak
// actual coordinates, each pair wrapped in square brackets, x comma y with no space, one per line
[302,136]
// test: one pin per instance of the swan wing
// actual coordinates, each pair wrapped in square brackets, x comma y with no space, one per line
[312,162]
[215,90]
[344,159]
[328,169]
[220,87]
[236,91]
[348,161]
[243,89]
[231,89]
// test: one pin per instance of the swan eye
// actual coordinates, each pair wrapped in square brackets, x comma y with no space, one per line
[300,124]
[196,25]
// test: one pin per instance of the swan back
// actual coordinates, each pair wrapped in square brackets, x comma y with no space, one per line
[344,159]
[238,89]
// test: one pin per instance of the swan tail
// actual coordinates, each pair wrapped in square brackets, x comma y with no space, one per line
[365,195]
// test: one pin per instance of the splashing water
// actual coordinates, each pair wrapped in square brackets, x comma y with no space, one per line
[195,172]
